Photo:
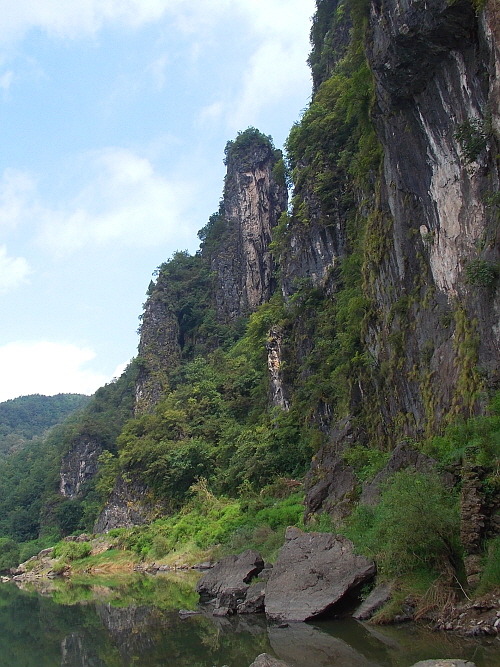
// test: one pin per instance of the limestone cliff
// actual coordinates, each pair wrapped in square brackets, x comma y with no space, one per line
[434,287]
[79,465]
[411,242]
[254,198]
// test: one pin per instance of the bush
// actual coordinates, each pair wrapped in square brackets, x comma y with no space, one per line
[481,273]
[414,527]
[490,577]
[72,550]
[9,553]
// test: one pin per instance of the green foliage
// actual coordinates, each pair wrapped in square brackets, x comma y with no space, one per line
[28,417]
[208,521]
[414,527]
[69,551]
[475,441]
[244,142]
[9,554]
[481,273]
[472,137]
[366,462]
[490,575]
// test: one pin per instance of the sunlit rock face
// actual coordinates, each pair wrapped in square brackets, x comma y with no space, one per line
[435,66]
[252,204]
[79,466]
[130,504]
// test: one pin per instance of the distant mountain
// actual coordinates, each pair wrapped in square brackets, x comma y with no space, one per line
[25,418]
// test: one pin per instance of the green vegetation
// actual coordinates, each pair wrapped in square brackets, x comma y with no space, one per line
[31,510]
[28,417]
[9,553]
[473,139]
[481,273]
[415,526]
[209,523]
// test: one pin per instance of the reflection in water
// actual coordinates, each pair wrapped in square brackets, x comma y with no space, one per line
[135,621]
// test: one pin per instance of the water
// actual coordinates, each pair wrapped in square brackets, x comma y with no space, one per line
[135,621]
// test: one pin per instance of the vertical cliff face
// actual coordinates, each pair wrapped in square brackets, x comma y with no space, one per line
[254,197]
[420,81]
[159,349]
[434,288]
[79,466]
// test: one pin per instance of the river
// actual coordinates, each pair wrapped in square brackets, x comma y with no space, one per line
[135,621]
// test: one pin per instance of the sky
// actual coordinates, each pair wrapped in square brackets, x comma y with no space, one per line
[114,115]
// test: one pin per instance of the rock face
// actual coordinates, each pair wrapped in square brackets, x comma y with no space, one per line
[128,505]
[274,365]
[253,202]
[228,581]
[79,465]
[376,599]
[266,660]
[403,457]
[313,572]
[159,350]
[331,485]
[434,69]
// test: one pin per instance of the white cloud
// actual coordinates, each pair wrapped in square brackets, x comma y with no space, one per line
[274,69]
[6,80]
[17,190]
[67,19]
[122,199]
[14,271]
[46,368]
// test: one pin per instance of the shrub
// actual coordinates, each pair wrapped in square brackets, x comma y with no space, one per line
[490,577]
[414,527]
[472,138]
[9,553]
[72,550]
[481,273]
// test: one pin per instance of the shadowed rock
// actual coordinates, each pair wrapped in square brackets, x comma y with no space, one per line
[265,660]
[313,572]
[228,581]
[378,597]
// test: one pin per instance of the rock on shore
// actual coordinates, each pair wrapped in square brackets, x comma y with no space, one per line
[314,571]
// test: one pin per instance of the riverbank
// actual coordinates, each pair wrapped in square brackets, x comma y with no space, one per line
[96,556]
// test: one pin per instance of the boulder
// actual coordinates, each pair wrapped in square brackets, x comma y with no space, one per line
[314,571]
[377,598]
[229,579]
[447,662]
[266,660]
[254,599]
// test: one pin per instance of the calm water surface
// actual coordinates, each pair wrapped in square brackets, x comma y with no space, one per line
[135,621]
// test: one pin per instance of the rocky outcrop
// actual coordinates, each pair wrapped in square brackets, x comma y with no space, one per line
[374,601]
[159,350]
[434,69]
[331,485]
[444,663]
[313,573]
[266,660]
[254,199]
[79,465]
[404,457]
[128,505]
[228,583]
[274,343]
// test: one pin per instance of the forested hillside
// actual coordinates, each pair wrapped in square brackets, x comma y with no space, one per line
[28,417]
[329,361]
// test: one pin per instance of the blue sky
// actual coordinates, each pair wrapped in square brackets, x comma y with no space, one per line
[114,115]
